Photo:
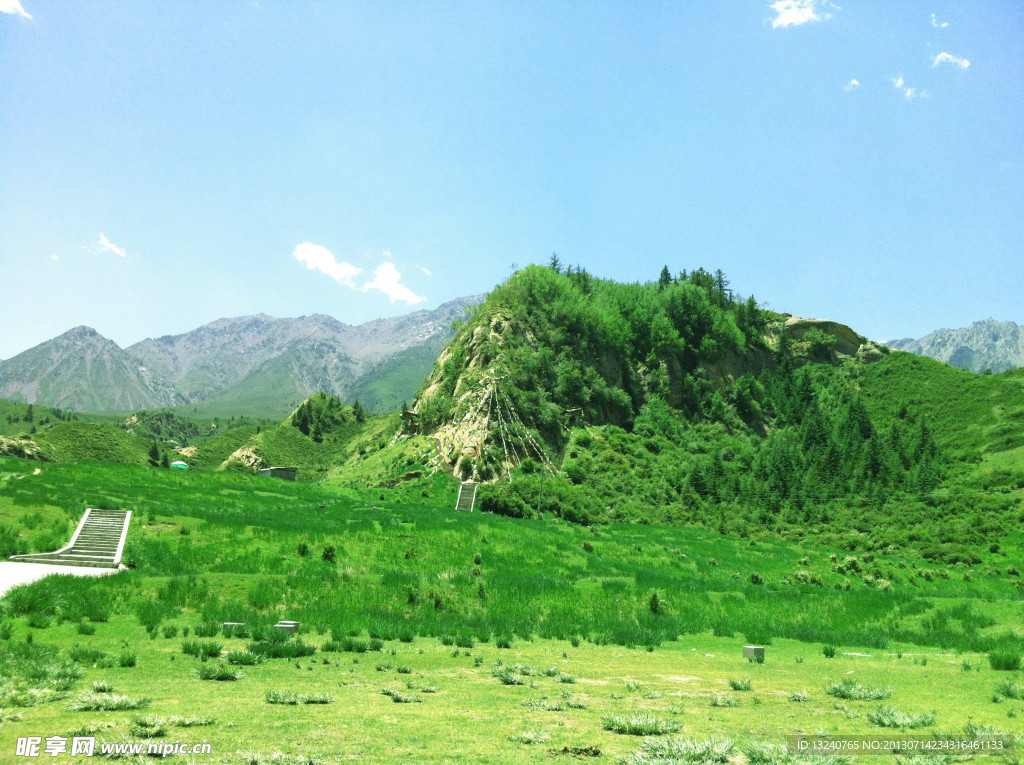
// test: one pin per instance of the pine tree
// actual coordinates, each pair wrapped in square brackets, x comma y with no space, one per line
[154,455]
[359,412]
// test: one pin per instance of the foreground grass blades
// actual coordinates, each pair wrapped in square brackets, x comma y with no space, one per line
[448,706]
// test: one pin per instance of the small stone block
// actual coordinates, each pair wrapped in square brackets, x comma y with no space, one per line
[289,627]
[753,652]
[234,624]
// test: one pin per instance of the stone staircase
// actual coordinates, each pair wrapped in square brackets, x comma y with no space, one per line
[467,497]
[97,542]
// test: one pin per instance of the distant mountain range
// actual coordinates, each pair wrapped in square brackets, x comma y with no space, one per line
[251,365]
[988,344]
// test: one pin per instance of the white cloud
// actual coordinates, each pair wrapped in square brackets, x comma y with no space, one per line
[851,85]
[944,58]
[794,13]
[107,246]
[909,93]
[939,24]
[54,257]
[425,270]
[14,8]
[387,279]
[319,258]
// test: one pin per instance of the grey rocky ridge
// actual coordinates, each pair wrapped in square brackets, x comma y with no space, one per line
[984,345]
[257,365]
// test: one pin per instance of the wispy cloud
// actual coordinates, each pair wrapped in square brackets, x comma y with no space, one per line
[939,24]
[794,13]
[319,258]
[425,270]
[909,93]
[949,58]
[54,257]
[107,246]
[14,8]
[387,279]
[851,85]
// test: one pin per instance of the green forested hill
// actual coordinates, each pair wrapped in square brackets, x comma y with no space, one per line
[701,408]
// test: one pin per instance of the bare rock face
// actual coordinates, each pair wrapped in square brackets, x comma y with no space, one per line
[988,344]
[848,342]
[23,447]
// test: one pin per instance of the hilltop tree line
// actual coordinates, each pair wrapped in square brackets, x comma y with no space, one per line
[570,340]
[323,413]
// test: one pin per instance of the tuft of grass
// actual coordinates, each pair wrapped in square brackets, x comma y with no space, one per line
[86,655]
[676,750]
[292,699]
[128,659]
[206,630]
[724,701]
[106,702]
[400,698]
[640,724]
[829,651]
[851,690]
[801,697]
[219,671]
[530,737]
[1010,690]
[282,649]
[508,676]
[766,753]
[741,685]
[102,686]
[85,628]
[147,726]
[353,645]
[201,649]
[190,722]
[1005,659]
[888,716]
[243,658]
[316,698]
[281,697]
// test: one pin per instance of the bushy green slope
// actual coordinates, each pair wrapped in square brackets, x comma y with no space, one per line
[17,418]
[972,414]
[210,454]
[85,441]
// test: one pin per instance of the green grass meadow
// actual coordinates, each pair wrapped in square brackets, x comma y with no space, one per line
[431,636]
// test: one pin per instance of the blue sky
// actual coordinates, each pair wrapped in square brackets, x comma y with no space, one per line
[166,164]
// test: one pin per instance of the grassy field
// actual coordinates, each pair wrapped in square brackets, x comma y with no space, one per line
[495,639]
[528,703]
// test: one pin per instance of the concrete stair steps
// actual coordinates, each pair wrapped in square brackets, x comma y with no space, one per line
[467,497]
[97,542]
